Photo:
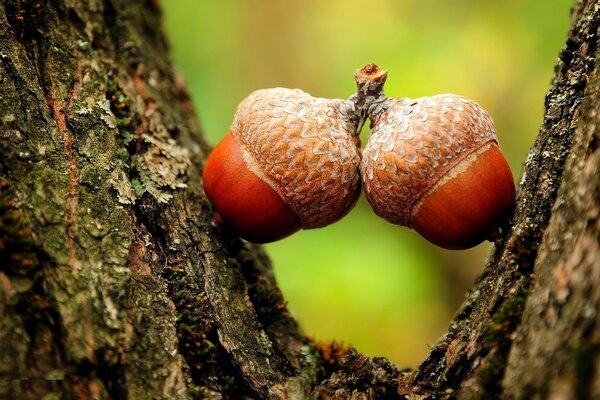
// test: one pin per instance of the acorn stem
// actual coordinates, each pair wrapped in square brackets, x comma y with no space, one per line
[370,80]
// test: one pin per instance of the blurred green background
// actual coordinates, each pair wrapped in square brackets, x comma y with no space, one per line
[362,281]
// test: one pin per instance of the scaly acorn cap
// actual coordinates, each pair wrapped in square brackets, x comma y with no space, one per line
[413,144]
[304,148]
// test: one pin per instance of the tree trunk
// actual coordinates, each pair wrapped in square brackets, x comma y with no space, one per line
[115,283]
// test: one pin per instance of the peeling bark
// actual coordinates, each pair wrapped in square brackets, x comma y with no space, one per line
[115,283]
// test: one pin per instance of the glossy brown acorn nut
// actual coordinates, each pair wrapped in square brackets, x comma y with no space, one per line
[290,161]
[433,164]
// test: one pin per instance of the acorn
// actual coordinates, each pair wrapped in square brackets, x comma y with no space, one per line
[434,164]
[290,161]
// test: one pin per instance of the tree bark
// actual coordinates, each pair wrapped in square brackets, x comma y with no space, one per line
[115,283]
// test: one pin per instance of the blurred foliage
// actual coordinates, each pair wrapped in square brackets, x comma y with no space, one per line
[363,281]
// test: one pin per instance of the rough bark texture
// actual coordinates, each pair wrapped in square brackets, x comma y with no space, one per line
[114,282]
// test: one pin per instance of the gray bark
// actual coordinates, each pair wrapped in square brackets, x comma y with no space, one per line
[115,283]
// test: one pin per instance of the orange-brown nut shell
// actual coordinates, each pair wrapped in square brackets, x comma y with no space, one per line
[243,202]
[415,146]
[459,211]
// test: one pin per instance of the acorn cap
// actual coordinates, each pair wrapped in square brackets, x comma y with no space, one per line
[413,144]
[304,148]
